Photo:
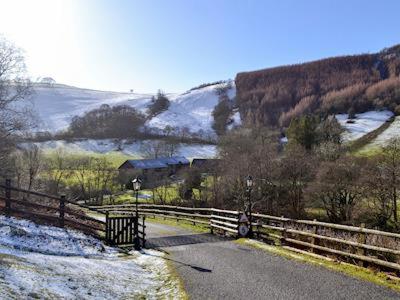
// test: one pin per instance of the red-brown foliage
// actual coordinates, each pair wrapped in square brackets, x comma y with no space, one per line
[334,85]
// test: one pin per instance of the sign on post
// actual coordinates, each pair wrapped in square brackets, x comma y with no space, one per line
[243,228]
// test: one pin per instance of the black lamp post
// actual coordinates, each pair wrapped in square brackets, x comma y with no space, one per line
[136,183]
[249,184]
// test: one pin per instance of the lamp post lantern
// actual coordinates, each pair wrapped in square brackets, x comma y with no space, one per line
[249,184]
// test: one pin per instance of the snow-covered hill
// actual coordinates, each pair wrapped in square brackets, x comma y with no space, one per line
[192,110]
[56,104]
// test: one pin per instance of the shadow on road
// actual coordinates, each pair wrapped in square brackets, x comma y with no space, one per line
[197,268]
[178,240]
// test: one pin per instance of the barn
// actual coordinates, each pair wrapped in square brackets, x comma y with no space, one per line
[158,167]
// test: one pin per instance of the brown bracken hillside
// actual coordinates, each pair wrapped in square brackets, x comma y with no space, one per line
[334,85]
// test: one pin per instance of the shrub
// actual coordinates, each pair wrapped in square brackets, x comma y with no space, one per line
[107,122]
[221,114]
[158,104]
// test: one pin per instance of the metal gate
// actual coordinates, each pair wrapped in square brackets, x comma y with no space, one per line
[124,230]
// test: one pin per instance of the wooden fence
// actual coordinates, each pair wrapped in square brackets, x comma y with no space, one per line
[61,212]
[357,245]
[54,210]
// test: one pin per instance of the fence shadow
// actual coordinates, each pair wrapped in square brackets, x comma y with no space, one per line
[179,240]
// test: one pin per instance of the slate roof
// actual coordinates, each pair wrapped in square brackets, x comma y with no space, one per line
[157,163]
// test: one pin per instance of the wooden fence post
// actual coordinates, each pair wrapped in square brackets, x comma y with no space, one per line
[284,234]
[362,239]
[107,228]
[62,210]
[144,232]
[315,231]
[211,228]
[8,197]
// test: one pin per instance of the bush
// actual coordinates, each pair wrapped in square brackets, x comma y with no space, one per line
[158,104]
[107,122]
[221,114]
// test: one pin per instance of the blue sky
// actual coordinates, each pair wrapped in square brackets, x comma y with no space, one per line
[177,44]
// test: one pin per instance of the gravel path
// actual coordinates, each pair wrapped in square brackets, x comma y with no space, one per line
[212,267]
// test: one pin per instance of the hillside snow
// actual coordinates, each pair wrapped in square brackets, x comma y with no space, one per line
[133,149]
[363,123]
[53,263]
[393,131]
[192,110]
[57,104]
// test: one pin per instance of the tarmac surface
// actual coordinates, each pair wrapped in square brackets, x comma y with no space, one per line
[213,267]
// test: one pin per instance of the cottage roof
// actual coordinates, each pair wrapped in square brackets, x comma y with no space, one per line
[158,163]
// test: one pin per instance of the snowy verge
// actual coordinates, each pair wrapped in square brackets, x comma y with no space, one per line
[52,263]
[363,123]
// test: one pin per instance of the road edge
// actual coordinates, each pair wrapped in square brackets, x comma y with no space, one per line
[365,274]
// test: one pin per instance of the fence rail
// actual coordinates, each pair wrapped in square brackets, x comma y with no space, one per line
[59,211]
[56,210]
[358,245]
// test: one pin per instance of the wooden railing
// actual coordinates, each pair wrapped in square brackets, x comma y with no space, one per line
[355,244]
[193,215]
[59,211]
[54,210]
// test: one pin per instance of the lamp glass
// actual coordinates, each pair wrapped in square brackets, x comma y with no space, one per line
[136,184]
[249,181]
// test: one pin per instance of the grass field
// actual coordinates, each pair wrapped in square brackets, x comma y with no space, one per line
[114,157]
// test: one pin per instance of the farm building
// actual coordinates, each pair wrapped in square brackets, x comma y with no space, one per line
[154,168]
[207,165]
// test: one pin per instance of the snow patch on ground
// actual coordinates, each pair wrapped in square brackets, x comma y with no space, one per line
[53,263]
[125,147]
[363,123]
[393,131]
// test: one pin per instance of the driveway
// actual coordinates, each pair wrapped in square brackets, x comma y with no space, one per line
[213,267]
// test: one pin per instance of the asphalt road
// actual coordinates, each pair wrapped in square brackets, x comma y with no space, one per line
[212,267]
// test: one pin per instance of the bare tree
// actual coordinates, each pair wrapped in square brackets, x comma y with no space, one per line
[27,164]
[296,171]
[377,184]
[391,165]
[57,167]
[14,88]
[33,159]
[159,148]
[339,187]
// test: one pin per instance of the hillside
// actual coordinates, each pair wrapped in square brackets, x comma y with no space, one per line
[334,85]
[57,104]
